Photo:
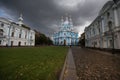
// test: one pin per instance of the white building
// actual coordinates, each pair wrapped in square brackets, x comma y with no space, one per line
[104,31]
[15,34]
[66,35]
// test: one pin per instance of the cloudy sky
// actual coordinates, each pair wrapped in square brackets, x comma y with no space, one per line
[45,15]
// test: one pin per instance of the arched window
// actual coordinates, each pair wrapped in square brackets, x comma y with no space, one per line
[108,15]
[12,34]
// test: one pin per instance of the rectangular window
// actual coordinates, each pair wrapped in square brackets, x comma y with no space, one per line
[2,25]
[1,32]
[20,31]
[110,25]
[12,34]
[108,15]
[25,43]
[19,35]
[0,41]
[30,37]
[25,36]
[110,42]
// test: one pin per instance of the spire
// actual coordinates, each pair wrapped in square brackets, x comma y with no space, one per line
[70,19]
[66,16]
[20,20]
[21,17]
[62,20]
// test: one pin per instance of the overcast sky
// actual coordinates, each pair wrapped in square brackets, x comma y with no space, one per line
[45,15]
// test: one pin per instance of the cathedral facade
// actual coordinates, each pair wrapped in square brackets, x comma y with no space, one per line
[66,35]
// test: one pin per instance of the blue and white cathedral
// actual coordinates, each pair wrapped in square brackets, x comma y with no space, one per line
[66,35]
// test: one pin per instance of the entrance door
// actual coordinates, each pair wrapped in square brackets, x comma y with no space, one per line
[19,44]
[64,42]
[11,43]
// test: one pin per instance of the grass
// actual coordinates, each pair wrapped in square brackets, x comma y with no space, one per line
[31,63]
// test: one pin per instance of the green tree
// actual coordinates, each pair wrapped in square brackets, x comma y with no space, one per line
[41,39]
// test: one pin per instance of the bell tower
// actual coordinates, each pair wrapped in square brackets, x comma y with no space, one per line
[20,20]
[71,23]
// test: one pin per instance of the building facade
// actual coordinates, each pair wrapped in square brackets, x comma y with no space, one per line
[15,33]
[104,31]
[66,35]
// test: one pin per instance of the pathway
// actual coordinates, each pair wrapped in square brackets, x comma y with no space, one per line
[96,65]
[70,69]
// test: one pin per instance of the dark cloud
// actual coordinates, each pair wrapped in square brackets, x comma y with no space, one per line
[44,15]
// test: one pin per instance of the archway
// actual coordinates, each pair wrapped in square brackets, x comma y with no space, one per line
[19,44]
[64,42]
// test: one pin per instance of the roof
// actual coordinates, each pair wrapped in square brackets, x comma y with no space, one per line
[106,7]
[24,26]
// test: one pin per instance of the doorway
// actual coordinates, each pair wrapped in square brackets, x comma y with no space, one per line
[11,43]
[19,43]
[64,42]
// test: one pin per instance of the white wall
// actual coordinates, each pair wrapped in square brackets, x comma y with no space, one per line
[9,28]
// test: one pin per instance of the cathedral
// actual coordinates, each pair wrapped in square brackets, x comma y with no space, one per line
[66,35]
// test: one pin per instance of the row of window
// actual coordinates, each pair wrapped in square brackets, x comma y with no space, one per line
[19,43]
[12,35]
[95,43]
[94,31]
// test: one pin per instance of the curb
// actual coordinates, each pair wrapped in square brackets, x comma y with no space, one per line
[63,69]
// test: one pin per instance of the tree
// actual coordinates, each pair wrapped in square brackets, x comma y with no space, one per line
[41,39]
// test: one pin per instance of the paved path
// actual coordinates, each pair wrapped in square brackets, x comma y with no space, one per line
[96,65]
[70,69]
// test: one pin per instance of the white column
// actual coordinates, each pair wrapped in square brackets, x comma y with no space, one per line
[9,42]
[103,29]
[116,17]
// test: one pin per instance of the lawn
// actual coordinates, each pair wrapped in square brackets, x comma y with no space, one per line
[31,63]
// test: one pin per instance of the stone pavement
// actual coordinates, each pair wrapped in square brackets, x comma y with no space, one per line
[95,65]
[70,69]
